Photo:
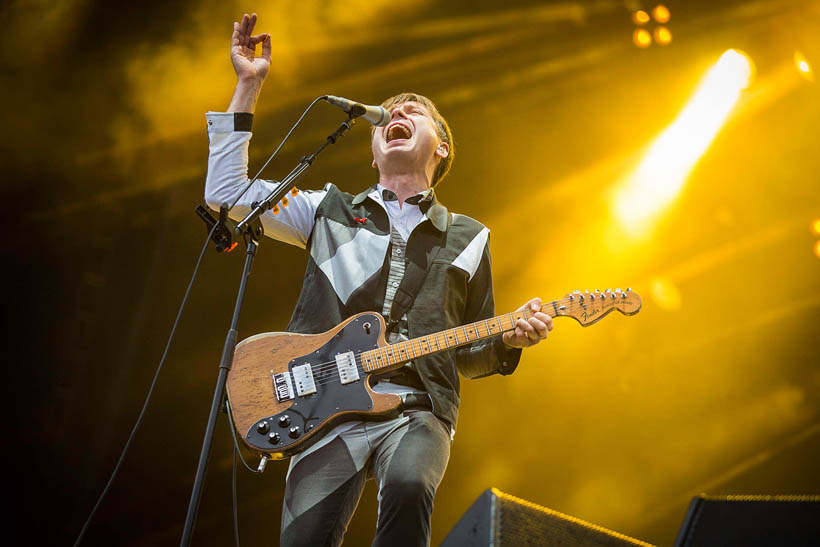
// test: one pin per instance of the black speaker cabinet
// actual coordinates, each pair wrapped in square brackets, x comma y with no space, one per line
[751,521]
[497,519]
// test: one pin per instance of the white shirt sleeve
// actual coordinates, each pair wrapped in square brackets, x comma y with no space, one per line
[228,176]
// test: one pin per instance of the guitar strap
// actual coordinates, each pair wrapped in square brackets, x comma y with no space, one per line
[419,261]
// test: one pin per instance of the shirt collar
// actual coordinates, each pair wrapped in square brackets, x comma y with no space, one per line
[426,200]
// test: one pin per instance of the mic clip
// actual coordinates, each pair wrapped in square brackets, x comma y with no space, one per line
[221,236]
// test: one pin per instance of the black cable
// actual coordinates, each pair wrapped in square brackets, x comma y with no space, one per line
[236,443]
[150,392]
[287,136]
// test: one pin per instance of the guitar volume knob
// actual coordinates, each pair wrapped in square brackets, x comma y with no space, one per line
[294,432]
[284,421]
[274,438]
[262,428]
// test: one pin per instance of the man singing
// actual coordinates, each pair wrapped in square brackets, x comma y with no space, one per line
[359,249]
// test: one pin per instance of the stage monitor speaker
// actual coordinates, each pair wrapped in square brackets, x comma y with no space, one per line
[497,519]
[751,521]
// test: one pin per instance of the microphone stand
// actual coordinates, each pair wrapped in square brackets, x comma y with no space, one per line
[251,229]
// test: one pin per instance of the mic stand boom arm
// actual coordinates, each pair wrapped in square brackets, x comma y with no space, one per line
[290,181]
[252,229]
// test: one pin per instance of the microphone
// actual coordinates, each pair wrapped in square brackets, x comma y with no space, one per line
[376,115]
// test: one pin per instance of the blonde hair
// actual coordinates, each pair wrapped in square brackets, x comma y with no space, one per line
[443,129]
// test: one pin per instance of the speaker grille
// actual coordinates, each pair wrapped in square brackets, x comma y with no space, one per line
[497,519]
[751,521]
[521,522]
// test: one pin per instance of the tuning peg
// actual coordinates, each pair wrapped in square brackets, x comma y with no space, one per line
[629,289]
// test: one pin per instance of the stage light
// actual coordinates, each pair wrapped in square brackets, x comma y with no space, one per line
[803,67]
[642,38]
[662,36]
[660,176]
[815,226]
[660,13]
[640,17]
[817,249]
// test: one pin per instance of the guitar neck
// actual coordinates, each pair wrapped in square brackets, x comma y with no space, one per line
[587,308]
[391,355]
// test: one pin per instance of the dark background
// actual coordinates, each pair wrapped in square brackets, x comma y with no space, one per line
[713,387]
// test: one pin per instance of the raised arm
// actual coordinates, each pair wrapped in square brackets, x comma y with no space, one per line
[250,70]
[229,134]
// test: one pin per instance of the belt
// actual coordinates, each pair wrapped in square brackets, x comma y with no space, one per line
[416,401]
[405,376]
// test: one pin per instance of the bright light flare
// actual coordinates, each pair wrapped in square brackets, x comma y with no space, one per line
[640,17]
[803,67]
[662,36]
[815,227]
[642,38]
[661,13]
[661,174]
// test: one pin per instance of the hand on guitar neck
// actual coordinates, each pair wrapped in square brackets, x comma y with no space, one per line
[530,331]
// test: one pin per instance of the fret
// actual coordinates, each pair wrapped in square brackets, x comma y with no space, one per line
[416,352]
[401,346]
[472,329]
[466,337]
[447,336]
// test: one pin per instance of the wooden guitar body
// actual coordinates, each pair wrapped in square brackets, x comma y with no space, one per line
[282,429]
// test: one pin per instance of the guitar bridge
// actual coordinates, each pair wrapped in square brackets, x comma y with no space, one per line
[346,363]
[282,386]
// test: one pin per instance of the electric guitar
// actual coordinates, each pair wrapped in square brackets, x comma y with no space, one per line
[286,389]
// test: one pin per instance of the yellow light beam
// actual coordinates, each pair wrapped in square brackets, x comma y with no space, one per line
[660,176]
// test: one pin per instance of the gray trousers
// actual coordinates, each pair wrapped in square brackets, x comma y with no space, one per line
[407,457]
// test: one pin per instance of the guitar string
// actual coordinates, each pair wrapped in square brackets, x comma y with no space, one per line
[329,366]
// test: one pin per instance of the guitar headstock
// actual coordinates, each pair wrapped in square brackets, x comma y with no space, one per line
[590,307]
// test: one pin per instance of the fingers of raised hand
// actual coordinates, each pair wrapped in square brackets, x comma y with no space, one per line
[235,35]
[246,28]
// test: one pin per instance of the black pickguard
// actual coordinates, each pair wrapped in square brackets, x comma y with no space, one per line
[332,397]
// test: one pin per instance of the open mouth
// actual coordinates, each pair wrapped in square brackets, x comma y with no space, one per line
[397,131]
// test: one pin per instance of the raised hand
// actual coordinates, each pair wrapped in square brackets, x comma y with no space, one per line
[243,50]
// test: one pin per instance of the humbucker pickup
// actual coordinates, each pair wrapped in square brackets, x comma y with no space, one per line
[346,363]
[303,378]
